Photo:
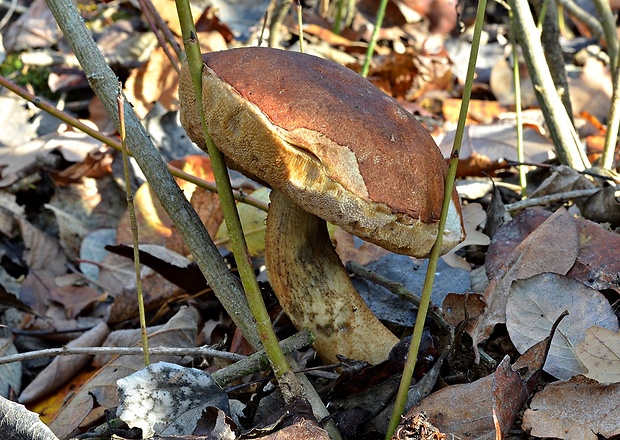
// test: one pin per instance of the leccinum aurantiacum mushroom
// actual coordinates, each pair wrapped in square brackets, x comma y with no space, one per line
[332,147]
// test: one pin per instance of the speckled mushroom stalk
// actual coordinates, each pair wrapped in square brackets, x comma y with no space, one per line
[332,147]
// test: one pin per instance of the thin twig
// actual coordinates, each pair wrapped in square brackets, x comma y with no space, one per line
[591,22]
[150,13]
[95,351]
[518,111]
[552,198]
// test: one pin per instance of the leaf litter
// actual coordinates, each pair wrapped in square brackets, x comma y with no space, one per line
[59,193]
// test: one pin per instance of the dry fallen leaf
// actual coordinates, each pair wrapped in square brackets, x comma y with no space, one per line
[552,247]
[64,368]
[167,399]
[599,352]
[75,299]
[595,266]
[459,307]
[155,80]
[253,221]
[18,422]
[591,91]
[473,217]
[488,407]
[575,410]
[180,331]
[486,148]
[535,303]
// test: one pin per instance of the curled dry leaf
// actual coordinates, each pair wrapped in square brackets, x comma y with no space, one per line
[603,207]
[599,352]
[535,303]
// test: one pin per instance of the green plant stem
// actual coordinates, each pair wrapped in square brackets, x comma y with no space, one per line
[608,21]
[338,19]
[104,82]
[375,36]
[114,143]
[246,272]
[518,112]
[562,131]
[120,99]
[613,123]
[574,9]
[412,356]
[542,14]
[300,19]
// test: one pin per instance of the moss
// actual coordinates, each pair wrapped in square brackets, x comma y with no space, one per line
[14,69]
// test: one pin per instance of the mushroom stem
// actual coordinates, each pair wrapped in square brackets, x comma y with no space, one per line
[314,288]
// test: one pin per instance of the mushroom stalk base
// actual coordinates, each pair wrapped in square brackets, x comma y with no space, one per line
[314,288]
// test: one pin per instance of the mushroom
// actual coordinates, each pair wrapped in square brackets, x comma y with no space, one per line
[333,148]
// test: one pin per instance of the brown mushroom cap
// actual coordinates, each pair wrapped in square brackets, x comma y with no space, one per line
[329,140]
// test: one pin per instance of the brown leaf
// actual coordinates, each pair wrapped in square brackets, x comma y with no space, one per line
[42,251]
[64,368]
[174,267]
[458,307]
[485,408]
[76,298]
[595,266]
[34,291]
[35,28]
[576,410]
[479,111]
[552,247]
[155,80]
[591,91]
[562,179]
[154,225]
[603,207]
[302,430]
[488,407]
[349,249]
[157,292]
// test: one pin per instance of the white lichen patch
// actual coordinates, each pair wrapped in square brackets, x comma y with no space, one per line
[167,399]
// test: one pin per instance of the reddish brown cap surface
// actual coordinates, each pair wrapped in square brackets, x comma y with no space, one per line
[328,138]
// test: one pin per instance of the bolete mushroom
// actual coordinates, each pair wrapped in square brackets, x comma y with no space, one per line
[333,148]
